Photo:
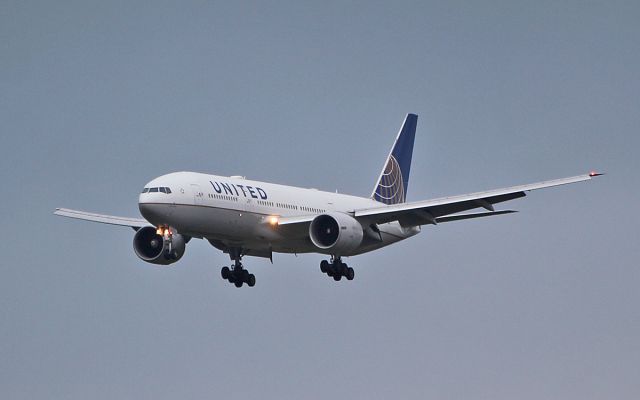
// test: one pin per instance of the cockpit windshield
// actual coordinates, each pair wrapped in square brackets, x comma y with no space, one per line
[163,189]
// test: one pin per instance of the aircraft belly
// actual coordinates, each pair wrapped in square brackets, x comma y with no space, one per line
[390,233]
[250,230]
[223,224]
[194,220]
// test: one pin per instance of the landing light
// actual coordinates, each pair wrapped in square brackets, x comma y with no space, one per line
[273,220]
[164,231]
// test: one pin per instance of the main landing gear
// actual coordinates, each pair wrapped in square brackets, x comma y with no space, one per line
[336,269]
[237,274]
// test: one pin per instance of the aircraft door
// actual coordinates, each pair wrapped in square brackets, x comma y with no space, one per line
[198,195]
[249,204]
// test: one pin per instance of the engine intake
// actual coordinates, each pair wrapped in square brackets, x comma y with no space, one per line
[156,249]
[336,233]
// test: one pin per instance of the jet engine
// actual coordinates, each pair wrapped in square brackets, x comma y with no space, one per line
[160,247]
[336,233]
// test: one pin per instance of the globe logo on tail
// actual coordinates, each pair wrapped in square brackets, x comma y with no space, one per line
[390,188]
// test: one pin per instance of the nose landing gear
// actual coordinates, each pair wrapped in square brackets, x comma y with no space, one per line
[167,236]
[337,269]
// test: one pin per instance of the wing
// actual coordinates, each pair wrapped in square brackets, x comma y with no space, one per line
[434,211]
[135,223]
[459,217]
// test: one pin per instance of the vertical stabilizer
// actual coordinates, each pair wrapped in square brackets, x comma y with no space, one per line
[393,182]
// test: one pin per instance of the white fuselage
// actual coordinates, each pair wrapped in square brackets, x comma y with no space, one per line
[233,211]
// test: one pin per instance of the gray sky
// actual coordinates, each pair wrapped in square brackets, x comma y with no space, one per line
[97,98]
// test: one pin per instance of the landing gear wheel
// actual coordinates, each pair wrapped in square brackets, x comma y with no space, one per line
[342,269]
[236,274]
[350,274]
[336,269]
[324,266]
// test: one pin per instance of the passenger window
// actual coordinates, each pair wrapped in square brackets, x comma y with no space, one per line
[152,190]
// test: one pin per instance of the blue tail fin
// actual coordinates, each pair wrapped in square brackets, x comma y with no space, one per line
[393,182]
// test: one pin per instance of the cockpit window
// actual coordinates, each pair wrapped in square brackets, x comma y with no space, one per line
[156,190]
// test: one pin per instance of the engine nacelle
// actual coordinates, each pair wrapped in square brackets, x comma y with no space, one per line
[154,248]
[336,233]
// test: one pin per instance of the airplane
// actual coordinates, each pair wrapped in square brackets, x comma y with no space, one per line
[243,217]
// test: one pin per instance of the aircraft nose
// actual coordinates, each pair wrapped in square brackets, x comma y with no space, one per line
[153,212]
[154,192]
[155,201]
[144,193]
[145,196]
[145,209]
